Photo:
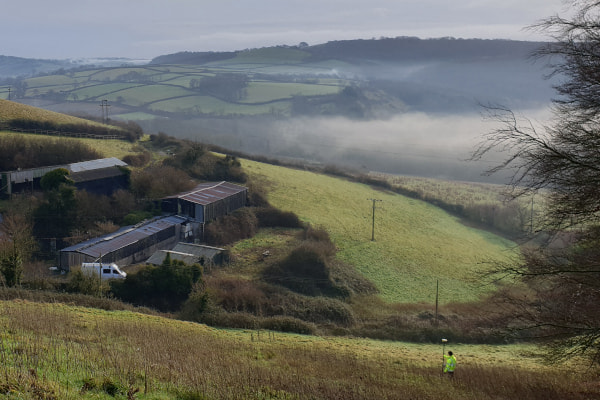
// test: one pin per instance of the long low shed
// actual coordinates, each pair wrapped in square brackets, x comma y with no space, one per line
[126,246]
[81,172]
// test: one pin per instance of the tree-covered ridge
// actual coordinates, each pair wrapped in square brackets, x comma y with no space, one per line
[383,49]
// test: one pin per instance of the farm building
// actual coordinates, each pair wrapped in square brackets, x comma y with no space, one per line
[207,201]
[189,253]
[102,176]
[126,246]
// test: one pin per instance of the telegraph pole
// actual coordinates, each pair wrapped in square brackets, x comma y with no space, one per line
[104,105]
[437,292]
[531,218]
[373,225]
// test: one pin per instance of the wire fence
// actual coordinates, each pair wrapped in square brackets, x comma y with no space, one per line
[49,132]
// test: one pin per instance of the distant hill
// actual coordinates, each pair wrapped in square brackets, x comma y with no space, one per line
[271,100]
[401,49]
[19,67]
[13,67]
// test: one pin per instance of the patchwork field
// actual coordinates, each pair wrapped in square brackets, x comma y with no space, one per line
[271,84]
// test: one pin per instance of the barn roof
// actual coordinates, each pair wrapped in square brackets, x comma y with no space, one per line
[209,192]
[27,175]
[187,252]
[96,164]
[106,244]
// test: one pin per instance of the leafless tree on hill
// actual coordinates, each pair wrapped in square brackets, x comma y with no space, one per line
[561,304]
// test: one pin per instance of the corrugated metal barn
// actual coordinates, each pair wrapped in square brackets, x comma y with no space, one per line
[189,253]
[126,246]
[101,176]
[207,201]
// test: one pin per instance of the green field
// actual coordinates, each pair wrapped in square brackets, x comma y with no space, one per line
[416,244]
[270,91]
[166,88]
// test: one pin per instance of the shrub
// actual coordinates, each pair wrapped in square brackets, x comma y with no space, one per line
[269,217]
[257,195]
[327,310]
[241,224]
[136,217]
[287,324]
[89,284]
[159,181]
[165,287]
[247,321]
[196,304]
[229,320]
[138,160]
[305,270]
[238,295]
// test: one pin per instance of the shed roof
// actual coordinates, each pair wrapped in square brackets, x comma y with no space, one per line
[187,252]
[96,164]
[209,192]
[106,244]
[26,175]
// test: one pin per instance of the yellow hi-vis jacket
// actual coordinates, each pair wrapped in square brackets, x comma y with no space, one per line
[450,363]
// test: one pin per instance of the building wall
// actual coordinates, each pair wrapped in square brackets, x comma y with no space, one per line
[133,253]
[223,207]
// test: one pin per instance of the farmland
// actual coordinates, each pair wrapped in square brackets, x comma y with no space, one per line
[415,244]
[273,77]
[71,352]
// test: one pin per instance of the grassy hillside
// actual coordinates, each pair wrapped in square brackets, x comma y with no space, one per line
[108,148]
[416,244]
[12,110]
[56,351]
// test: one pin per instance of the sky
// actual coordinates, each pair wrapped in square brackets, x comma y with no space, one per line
[144,29]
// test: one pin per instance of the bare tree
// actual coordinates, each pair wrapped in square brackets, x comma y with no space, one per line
[562,300]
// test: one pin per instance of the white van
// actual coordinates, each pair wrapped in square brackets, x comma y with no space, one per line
[105,271]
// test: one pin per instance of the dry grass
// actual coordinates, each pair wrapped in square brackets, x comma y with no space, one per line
[11,110]
[53,351]
[108,148]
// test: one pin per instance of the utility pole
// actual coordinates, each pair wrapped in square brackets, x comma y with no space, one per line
[104,105]
[437,292]
[531,218]
[373,225]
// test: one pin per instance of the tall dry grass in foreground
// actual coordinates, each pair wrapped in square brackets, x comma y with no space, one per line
[53,351]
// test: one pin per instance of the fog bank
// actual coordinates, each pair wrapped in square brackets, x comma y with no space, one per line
[409,144]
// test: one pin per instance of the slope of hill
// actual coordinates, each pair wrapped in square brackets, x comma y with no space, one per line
[13,67]
[55,351]
[10,110]
[415,246]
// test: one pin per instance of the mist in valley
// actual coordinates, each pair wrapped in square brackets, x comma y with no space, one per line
[424,115]
[415,143]
[405,106]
